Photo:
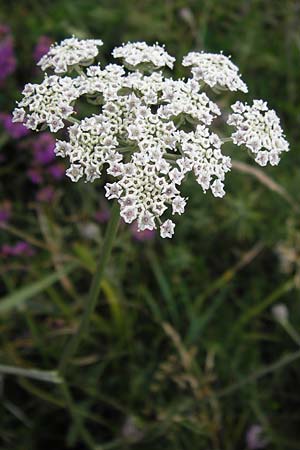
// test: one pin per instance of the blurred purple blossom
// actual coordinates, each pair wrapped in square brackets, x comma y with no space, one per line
[45,194]
[43,148]
[15,130]
[57,171]
[35,175]
[102,215]
[7,57]
[43,168]
[4,30]
[254,438]
[42,47]
[146,235]
[5,211]
[21,248]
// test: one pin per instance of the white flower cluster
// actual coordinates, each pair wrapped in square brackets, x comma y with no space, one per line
[136,53]
[202,152]
[70,52]
[258,128]
[148,130]
[215,70]
[49,102]
[183,98]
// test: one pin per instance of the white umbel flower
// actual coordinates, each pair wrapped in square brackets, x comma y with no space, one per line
[258,128]
[167,229]
[148,130]
[70,52]
[215,70]
[136,53]
[49,102]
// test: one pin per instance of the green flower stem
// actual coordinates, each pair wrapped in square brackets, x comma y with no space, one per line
[72,346]
[172,157]
[285,360]
[73,119]
[78,421]
[226,139]
[79,70]
[291,331]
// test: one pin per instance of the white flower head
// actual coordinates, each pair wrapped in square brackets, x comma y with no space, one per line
[167,229]
[136,53]
[258,128]
[68,53]
[75,172]
[49,102]
[19,115]
[215,70]
[148,130]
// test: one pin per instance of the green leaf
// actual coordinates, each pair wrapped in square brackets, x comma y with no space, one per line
[42,375]
[19,297]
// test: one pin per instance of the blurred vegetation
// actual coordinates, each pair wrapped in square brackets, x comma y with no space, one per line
[184,352]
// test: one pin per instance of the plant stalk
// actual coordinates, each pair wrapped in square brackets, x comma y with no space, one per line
[77,419]
[73,344]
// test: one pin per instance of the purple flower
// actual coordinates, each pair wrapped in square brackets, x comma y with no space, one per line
[45,194]
[57,171]
[42,47]
[21,248]
[4,30]
[7,56]
[6,250]
[146,235]
[15,130]
[102,216]
[35,175]
[5,212]
[254,439]
[43,147]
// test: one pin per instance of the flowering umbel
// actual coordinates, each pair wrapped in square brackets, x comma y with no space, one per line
[148,130]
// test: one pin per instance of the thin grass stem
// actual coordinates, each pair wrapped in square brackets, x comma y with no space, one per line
[74,343]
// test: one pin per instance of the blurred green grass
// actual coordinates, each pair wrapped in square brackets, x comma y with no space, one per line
[180,325]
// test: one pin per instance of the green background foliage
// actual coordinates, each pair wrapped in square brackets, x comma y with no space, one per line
[184,352]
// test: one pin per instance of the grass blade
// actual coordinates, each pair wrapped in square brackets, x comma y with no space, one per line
[42,375]
[20,296]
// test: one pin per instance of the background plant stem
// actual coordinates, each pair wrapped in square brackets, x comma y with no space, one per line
[78,421]
[73,344]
